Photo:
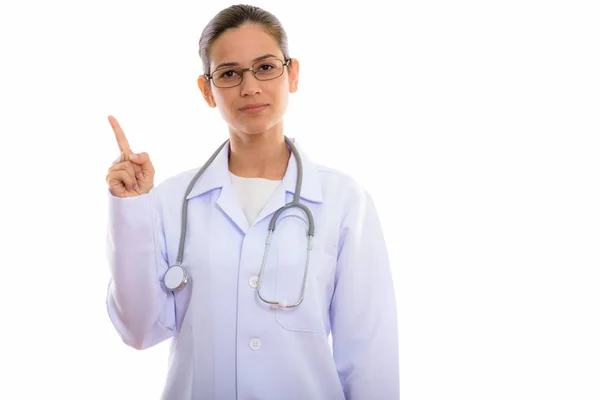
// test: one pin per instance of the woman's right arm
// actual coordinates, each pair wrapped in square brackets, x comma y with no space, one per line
[141,310]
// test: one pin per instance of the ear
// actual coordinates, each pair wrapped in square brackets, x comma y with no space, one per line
[205,88]
[294,71]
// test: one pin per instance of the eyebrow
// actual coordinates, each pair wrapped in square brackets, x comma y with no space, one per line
[235,64]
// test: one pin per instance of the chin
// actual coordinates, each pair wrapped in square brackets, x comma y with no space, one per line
[254,128]
[254,132]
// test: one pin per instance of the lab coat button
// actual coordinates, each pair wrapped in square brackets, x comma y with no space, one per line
[253,282]
[255,344]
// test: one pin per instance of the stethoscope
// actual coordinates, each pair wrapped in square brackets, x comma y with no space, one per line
[176,277]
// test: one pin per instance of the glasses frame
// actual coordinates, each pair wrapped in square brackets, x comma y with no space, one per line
[285,63]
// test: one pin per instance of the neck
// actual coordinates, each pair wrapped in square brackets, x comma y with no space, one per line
[262,155]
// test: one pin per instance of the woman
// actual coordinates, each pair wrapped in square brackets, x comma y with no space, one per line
[242,328]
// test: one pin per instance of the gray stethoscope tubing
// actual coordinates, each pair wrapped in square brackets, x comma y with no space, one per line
[176,277]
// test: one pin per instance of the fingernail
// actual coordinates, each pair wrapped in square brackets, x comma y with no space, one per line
[140,175]
[133,156]
[136,187]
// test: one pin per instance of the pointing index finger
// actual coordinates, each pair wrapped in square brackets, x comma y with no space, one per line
[119,135]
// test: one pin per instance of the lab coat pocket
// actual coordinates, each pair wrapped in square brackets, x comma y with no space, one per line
[312,314]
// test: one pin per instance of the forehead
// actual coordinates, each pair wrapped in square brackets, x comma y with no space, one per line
[242,45]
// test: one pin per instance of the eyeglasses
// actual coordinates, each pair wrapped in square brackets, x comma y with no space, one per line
[264,70]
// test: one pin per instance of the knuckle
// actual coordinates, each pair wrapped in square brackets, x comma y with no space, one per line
[125,176]
[119,176]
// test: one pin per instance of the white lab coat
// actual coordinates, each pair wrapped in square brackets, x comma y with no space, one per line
[225,342]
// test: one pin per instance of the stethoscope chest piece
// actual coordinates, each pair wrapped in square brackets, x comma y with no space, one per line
[175,278]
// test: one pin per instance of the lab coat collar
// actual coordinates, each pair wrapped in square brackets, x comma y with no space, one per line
[217,175]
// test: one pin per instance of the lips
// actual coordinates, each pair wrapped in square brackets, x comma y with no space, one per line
[253,106]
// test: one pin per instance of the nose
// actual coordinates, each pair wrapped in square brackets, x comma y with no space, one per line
[250,85]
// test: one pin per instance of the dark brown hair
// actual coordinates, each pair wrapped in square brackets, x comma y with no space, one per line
[235,16]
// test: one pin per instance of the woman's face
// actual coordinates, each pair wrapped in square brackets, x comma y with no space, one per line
[242,46]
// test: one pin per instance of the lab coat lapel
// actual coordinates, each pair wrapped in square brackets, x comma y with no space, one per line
[276,201]
[229,203]
[217,176]
[311,186]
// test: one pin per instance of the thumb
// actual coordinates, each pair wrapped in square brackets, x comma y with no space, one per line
[143,160]
[139,158]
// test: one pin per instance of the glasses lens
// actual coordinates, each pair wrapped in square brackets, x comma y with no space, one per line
[268,69]
[227,77]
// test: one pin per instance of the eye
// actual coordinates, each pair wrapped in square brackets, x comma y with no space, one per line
[227,74]
[265,67]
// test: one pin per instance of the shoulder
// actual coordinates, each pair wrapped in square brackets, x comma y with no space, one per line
[340,187]
[174,185]
[347,202]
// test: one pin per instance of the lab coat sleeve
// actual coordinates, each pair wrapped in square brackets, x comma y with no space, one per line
[363,310]
[140,309]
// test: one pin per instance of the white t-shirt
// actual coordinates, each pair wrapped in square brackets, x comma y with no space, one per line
[253,194]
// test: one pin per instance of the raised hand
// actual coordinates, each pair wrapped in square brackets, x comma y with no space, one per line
[132,174]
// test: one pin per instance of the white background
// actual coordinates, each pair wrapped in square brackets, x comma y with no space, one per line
[474,124]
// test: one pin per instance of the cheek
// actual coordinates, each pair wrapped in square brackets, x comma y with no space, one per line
[224,104]
[282,101]
[279,95]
